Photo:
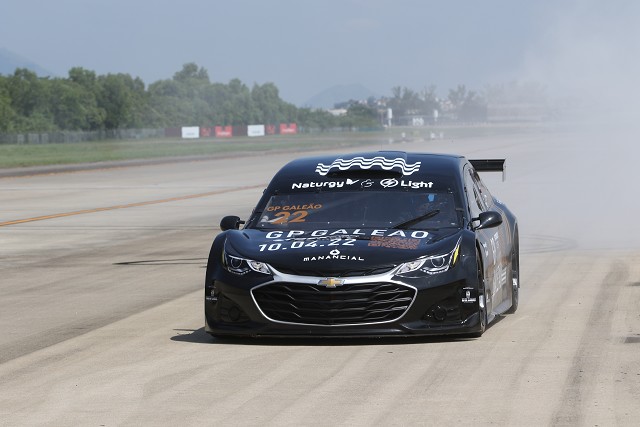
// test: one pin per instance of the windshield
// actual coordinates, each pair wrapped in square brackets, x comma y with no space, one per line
[362,209]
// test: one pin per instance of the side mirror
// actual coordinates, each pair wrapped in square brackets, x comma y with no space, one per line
[230,222]
[488,219]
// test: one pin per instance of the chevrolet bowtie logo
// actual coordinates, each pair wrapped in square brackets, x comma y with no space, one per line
[331,282]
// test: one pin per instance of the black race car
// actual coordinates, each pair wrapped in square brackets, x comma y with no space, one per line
[367,244]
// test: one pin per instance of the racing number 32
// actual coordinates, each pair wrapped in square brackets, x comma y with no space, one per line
[287,217]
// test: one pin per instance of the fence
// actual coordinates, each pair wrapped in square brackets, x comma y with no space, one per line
[79,136]
[160,133]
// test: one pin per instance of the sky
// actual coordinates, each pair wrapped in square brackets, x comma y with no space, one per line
[305,47]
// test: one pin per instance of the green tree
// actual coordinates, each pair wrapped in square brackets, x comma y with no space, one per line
[83,77]
[7,115]
[192,73]
[185,99]
[467,105]
[360,116]
[457,96]
[270,107]
[407,102]
[87,101]
[240,105]
[215,96]
[74,107]
[80,109]
[267,103]
[315,119]
[123,100]
[167,106]
[30,100]
[27,92]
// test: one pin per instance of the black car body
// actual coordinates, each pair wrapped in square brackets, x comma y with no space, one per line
[366,244]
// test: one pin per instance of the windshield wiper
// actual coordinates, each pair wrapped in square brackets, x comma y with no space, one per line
[417,219]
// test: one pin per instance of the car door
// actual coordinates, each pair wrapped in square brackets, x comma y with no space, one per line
[488,240]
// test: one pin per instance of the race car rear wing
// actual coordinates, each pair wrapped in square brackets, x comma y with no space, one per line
[490,165]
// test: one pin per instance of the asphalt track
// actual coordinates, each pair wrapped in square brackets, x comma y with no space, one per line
[101,275]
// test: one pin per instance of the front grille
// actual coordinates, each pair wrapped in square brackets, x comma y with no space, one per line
[345,273]
[345,305]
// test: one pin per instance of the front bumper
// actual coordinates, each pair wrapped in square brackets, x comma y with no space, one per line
[375,305]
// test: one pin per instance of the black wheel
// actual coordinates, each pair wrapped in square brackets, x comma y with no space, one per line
[482,302]
[515,275]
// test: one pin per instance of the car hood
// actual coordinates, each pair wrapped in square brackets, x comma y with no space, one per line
[339,250]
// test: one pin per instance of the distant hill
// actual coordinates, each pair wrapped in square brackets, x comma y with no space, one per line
[327,98]
[9,61]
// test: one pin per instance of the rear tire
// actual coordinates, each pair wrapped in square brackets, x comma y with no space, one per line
[515,275]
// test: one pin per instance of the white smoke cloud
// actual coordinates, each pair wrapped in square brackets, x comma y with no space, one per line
[590,51]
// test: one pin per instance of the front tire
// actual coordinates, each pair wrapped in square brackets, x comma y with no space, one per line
[482,300]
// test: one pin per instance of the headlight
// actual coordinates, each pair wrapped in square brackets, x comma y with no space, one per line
[241,266]
[430,264]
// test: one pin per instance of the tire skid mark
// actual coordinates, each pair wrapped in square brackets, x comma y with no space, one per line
[129,205]
[539,243]
[335,374]
[548,270]
[430,377]
[591,353]
[296,365]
